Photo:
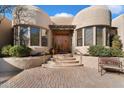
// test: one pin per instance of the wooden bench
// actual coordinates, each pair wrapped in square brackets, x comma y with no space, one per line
[109,64]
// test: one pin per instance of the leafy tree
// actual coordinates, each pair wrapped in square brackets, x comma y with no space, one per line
[4,9]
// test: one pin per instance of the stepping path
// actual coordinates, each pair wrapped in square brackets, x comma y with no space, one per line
[68,77]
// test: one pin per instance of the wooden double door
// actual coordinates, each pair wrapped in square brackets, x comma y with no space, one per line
[62,42]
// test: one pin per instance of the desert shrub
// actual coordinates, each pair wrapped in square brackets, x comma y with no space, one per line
[98,51]
[5,50]
[115,52]
[116,43]
[19,51]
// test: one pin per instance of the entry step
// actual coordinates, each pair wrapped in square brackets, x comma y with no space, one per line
[61,65]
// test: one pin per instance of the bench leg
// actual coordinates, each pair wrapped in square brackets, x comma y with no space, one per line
[99,68]
[103,71]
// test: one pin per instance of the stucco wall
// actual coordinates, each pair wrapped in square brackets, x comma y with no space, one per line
[91,62]
[32,15]
[5,33]
[62,20]
[39,48]
[14,64]
[88,61]
[119,23]
[6,67]
[94,15]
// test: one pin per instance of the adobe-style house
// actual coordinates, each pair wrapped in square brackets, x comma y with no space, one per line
[90,26]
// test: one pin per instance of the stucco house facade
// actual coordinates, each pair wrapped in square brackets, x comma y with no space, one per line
[6,34]
[90,26]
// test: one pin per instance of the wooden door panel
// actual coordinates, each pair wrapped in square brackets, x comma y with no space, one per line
[62,43]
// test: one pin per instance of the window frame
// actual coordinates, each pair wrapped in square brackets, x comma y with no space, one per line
[85,35]
[103,27]
[41,37]
[81,38]
[30,36]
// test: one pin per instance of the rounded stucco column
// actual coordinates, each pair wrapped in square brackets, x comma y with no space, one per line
[50,40]
[104,36]
[83,37]
[19,35]
[94,35]
[74,40]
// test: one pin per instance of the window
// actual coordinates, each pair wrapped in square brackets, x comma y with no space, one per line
[34,36]
[44,37]
[99,35]
[16,41]
[24,39]
[107,37]
[30,35]
[88,36]
[79,37]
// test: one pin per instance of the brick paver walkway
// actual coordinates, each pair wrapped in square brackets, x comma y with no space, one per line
[71,77]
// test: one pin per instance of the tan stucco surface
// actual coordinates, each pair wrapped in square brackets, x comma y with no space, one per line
[34,16]
[94,15]
[14,63]
[5,33]
[119,23]
[62,20]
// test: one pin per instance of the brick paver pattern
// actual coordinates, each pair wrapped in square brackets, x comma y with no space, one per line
[70,77]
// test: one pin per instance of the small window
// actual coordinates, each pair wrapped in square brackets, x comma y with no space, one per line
[34,36]
[44,37]
[88,36]
[108,37]
[16,41]
[99,35]
[24,39]
[79,37]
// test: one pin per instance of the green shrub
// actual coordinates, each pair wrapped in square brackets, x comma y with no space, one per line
[116,43]
[5,50]
[19,51]
[115,52]
[99,51]
[105,52]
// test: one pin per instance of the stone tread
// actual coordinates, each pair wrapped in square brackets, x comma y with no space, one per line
[62,65]
[67,61]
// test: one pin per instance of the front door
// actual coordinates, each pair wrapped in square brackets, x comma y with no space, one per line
[62,43]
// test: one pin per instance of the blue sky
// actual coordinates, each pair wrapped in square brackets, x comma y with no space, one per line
[72,10]
[56,9]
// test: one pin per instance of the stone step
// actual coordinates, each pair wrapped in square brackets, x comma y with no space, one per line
[67,61]
[61,65]
[62,55]
[61,59]
[63,62]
